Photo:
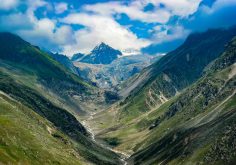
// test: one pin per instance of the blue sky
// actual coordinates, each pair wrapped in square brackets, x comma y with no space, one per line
[146,26]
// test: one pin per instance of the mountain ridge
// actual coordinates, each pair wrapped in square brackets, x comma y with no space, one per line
[47,93]
[178,69]
[205,109]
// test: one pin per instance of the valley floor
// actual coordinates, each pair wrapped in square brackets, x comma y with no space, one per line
[90,123]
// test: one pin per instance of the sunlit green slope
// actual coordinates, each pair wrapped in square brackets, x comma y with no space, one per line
[174,72]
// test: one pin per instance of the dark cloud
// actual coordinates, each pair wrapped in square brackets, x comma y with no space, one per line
[219,17]
[211,14]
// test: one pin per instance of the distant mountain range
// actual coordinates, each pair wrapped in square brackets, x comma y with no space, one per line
[77,57]
[105,66]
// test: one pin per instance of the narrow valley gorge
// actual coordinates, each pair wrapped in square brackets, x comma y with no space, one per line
[161,120]
[160,91]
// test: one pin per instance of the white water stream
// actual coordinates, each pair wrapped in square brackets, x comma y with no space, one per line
[123,156]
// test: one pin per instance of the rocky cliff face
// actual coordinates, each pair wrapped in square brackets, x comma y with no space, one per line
[111,75]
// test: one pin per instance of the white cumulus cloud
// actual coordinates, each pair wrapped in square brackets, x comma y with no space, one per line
[61,7]
[99,23]
[8,4]
[134,11]
[101,29]
[165,33]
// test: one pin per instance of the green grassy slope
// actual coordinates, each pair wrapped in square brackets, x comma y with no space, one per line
[198,126]
[14,49]
[175,71]
[43,86]
[27,138]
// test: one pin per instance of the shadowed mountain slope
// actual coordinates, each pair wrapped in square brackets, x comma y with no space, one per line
[37,87]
